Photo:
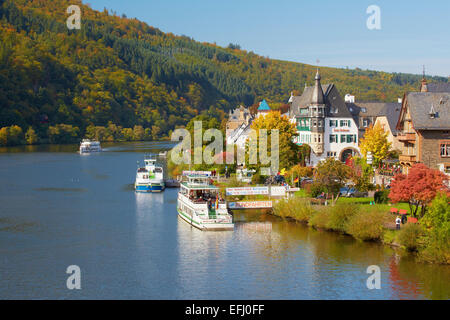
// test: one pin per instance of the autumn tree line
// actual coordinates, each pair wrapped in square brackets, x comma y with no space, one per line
[121,72]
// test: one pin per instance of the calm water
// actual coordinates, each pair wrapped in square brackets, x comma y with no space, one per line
[58,208]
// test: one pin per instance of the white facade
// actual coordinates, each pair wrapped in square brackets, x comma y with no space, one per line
[340,135]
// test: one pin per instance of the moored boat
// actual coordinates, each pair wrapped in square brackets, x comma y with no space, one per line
[200,205]
[150,178]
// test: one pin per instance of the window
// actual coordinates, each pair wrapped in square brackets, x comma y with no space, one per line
[331,154]
[366,122]
[445,149]
[333,123]
[333,138]
[363,110]
[345,123]
[348,138]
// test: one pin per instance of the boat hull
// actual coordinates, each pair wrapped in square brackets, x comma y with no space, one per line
[205,226]
[157,187]
[149,188]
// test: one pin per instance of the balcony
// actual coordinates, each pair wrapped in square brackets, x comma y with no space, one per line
[406,137]
[407,158]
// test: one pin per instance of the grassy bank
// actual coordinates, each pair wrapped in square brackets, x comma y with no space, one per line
[366,223]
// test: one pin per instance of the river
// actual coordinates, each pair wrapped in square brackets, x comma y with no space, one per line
[59,208]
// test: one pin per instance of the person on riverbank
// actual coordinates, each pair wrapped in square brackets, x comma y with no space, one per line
[397,222]
[404,219]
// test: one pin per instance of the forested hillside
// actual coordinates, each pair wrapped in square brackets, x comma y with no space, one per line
[121,79]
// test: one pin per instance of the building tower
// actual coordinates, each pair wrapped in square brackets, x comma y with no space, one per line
[317,117]
[424,86]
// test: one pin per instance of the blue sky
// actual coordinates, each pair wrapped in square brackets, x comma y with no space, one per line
[413,33]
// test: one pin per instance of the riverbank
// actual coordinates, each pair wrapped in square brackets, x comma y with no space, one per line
[365,223]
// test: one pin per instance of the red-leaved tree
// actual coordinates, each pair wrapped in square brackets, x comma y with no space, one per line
[418,188]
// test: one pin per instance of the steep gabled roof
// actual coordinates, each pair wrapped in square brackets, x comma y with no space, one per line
[420,104]
[438,87]
[392,112]
[332,100]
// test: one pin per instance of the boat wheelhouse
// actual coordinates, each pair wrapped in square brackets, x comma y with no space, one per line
[88,146]
[200,205]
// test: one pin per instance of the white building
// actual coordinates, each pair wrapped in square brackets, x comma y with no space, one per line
[238,132]
[324,122]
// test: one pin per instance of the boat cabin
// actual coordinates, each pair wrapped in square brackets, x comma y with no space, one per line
[199,189]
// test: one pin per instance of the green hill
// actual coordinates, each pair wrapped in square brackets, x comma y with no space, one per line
[118,73]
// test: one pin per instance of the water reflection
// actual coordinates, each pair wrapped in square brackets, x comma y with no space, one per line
[60,208]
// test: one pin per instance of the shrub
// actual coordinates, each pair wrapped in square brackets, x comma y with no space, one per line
[257,179]
[320,219]
[437,219]
[409,236]
[390,236]
[295,208]
[315,189]
[381,196]
[366,225]
[340,215]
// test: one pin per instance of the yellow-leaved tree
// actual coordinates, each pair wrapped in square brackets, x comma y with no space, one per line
[288,150]
[375,141]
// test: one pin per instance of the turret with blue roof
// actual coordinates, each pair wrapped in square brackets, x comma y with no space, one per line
[263,107]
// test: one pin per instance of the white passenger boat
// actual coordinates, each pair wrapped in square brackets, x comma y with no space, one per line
[200,205]
[149,178]
[88,146]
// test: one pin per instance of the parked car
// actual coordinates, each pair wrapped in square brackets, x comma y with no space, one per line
[351,192]
[275,180]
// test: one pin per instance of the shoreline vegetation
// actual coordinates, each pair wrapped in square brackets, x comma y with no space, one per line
[372,223]
[67,134]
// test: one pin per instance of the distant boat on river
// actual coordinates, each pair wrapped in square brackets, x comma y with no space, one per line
[88,146]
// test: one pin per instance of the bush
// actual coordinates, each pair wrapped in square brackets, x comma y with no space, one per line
[257,179]
[381,196]
[437,237]
[340,215]
[366,225]
[295,208]
[409,236]
[320,219]
[315,189]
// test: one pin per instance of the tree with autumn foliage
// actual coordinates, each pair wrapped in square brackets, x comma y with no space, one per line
[299,171]
[288,150]
[375,141]
[332,174]
[419,187]
[361,174]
